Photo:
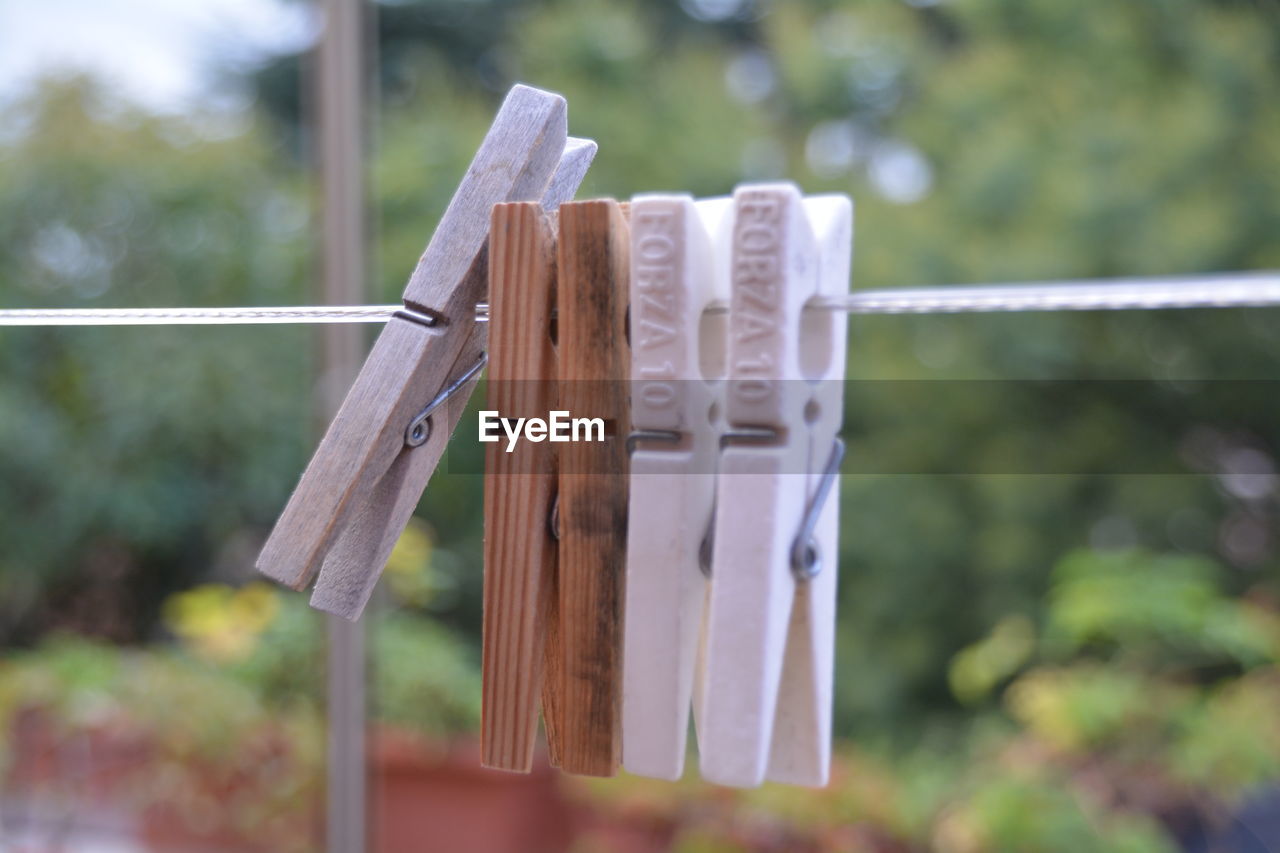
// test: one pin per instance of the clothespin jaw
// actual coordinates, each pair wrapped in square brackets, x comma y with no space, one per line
[366,476]
[676,356]
[764,483]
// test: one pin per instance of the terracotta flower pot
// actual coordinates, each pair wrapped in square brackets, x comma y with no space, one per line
[431,797]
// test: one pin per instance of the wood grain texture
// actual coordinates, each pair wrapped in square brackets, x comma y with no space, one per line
[594,361]
[410,362]
[353,564]
[574,162]
[519,552]
[514,163]
[364,439]
[553,671]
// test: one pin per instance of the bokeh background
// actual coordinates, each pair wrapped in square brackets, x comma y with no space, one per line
[1059,613]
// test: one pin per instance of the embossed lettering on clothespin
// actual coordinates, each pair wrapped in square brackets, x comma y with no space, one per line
[679,265]
[768,665]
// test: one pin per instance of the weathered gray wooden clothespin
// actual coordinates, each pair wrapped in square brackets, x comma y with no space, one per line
[362,484]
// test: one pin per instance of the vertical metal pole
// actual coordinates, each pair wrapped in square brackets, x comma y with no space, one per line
[342,274]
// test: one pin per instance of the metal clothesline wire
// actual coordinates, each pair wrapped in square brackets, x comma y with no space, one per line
[1226,290]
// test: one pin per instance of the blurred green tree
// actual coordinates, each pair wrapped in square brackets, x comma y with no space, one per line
[138,460]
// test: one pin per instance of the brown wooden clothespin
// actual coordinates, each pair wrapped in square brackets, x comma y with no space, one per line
[555,514]
[369,471]
[521,557]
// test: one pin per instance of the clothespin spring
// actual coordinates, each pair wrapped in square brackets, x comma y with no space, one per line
[806,560]
[419,429]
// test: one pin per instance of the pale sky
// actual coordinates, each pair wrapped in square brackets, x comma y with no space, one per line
[156,52]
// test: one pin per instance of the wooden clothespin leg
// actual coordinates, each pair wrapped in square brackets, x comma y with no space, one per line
[676,271]
[761,534]
[372,464]
[520,552]
[592,504]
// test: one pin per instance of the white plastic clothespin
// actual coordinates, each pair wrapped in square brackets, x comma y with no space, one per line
[769,659]
[676,361]
[369,471]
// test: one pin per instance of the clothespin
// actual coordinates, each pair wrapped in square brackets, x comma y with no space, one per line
[555,514]
[365,478]
[801,751]
[591,511]
[769,664]
[521,559]
[677,358]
